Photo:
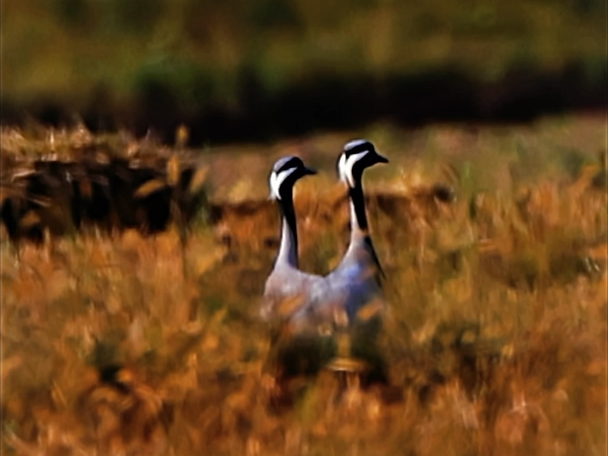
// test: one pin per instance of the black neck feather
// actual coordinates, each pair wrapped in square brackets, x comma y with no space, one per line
[289,215]
[358,201]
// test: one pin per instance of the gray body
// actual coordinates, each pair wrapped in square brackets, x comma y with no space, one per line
[289,290]
[352,293]
[355,283]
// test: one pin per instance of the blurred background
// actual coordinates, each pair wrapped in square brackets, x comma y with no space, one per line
[130,325]
[243,70]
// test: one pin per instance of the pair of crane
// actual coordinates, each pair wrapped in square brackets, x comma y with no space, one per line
[345,305]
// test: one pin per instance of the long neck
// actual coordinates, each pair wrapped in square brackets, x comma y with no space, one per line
[288,251]
[359,234]
[358,217]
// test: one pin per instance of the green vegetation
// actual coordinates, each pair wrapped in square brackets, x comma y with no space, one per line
[495,339]
[113,57]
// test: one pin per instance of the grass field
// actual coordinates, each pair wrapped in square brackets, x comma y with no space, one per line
[495,338]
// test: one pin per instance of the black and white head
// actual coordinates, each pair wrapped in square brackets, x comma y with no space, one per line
[285,173]
[356,156]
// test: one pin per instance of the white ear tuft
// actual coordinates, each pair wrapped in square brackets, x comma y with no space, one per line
[346,166]
[274,187]
[341,165]
[276,180]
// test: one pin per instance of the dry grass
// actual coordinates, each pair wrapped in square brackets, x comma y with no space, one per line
[495,340]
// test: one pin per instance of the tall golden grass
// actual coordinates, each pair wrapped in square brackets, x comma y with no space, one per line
[495,339]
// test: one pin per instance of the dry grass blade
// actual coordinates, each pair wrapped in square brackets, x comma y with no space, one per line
[287,307]
[347,365]
[198,180]
[150,187]
[31,218]
[182,136]
[173,170]
[371,310]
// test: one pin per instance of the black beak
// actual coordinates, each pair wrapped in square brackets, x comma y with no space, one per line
[381,158]
[309,171]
